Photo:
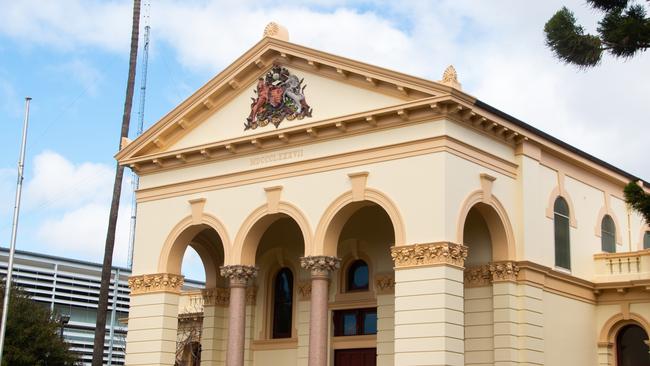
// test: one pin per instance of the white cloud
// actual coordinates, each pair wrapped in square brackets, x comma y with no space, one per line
[68,24]
[81,233]
[59,183]
[497,48]
[67,207]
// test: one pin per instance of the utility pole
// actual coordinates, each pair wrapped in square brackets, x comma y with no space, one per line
[102,306]
[14,229]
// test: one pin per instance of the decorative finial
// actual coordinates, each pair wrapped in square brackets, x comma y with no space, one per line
[275,30]
[450,77]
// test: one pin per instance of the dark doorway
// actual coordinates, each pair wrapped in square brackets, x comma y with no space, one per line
[630,348]
[355,357]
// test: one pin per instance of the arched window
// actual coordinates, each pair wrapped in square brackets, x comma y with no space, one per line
[562,242]
[357,276]
[631,349]
[282,304]
[608,235]
[646,240]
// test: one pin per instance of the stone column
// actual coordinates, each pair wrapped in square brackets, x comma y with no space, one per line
[429,324]
[320,267]
[239,276]
[153,319]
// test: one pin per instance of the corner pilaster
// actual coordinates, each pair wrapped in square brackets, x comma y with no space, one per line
[429,322]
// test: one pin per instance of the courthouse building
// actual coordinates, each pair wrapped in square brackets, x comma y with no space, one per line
[347,214]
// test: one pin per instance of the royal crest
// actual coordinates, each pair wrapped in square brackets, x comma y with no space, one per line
[280,95]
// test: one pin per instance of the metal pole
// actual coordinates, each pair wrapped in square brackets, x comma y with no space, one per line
[111,330]
[14,229]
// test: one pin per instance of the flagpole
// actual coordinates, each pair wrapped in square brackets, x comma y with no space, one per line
[14,230]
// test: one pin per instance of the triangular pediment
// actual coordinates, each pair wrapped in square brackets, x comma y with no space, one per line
[332,87]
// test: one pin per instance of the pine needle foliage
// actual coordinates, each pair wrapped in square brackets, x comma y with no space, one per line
[636,197]
[623,31]
[32,337]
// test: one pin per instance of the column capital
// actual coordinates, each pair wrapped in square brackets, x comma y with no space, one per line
[486,274]
[155,282]
[504,271]
[429,254]
[239,274]
[215,296]
[320,265]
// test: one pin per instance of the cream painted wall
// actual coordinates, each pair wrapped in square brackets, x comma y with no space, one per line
[570,334]
[479,140]
[303,153]
[328,98]
[274,357]
[462,178]
[414,189]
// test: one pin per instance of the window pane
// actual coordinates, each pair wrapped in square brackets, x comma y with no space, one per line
[562,247]
[283,304]
[358,276]
[349,324]
[608,235]
[370,322]
[646,240]
[561,207]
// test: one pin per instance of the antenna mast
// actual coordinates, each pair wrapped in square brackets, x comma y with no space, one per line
[135,180]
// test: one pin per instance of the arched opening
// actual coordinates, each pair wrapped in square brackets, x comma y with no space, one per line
[363,233]
[277,254]
[631,346]
[197,252]
[485,236]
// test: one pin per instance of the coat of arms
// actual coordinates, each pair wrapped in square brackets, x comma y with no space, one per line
[280,95]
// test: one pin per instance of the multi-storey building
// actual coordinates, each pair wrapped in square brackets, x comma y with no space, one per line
[71,287]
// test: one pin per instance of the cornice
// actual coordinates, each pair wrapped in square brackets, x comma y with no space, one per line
[446,106]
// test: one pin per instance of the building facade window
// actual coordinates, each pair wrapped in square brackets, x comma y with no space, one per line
[358,276]
[355,322]
[608,235]
[282,304]
[631,349]
[646,240]
[562,234]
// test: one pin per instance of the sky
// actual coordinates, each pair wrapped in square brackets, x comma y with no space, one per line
[71,57]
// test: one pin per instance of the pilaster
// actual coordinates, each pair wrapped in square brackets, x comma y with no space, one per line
[153,319]
[213,340]
[385,292]
[429,323]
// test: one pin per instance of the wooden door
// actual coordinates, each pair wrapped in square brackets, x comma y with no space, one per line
[355,357]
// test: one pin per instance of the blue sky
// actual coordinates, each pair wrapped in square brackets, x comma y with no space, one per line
[71,57]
